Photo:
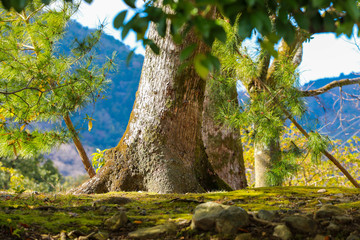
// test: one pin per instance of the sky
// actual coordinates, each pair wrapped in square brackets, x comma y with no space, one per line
[324,56]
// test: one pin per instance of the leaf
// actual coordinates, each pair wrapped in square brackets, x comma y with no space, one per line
[89,1]
[129,56]
[22,127]
[14,149]
[119,19]
[202,70]
[186,53]
[90,125]
[161,27]
[19,5]
[130,3]
[46,2]
[137,222]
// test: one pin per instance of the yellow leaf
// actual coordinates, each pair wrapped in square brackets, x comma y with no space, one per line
[90,125]
[22,127]
[137,222]
[2,117]
[43,89]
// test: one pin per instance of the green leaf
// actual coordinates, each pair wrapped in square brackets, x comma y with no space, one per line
[186,53]
[202,70]
[125,31]
[46,2]
[119,19]
[89,1]
[161,27]
[6,4]
[19,5]
[129,56]
[130,3]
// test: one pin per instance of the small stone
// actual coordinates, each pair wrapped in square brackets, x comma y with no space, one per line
[343,219]
[266,215]
[322,191]
[353,236]
[333,227]
[143,212]
[153,232]
[205,215]
[328,211]
[182,223]
[319,237]
[103,208]
[244,236]
[116,221]
[282,232]
[301,224]
[230,219]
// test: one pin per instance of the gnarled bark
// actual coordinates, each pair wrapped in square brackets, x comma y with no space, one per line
[162,149]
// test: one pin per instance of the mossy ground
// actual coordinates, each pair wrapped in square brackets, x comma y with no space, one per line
[34,216]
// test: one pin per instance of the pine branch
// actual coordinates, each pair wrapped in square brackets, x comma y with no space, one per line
[327,87]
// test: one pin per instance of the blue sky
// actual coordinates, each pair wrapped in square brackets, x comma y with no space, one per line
[324,56]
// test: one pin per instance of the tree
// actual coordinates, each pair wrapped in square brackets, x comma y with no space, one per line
[273,97]
[162,149]
[40,87]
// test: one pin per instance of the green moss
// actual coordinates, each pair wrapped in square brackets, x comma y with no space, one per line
[69,212]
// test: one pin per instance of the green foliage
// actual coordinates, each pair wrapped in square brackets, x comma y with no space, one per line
[36,174]
[39,85]
[98,160]
[317,143]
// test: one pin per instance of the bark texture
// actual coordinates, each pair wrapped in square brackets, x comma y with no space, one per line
[223,146]
[162,149]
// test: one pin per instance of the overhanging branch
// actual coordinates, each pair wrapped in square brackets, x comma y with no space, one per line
[329,86]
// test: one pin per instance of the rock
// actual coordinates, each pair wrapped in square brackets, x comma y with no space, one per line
[205,216]
[153,232]
[282,232]
[116,221]
[319,237]
[354,236]
[101,236]
[182,223]
[343,219]
[301,224]
[266,215]
[244,236]
[333,227]
[328,211]
[230,219]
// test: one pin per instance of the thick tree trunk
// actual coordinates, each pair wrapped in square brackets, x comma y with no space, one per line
[266,155]
[162,149]
[223,146]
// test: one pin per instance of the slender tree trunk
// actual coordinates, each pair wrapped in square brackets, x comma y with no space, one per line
[162,149]
[223,145]
[79,147]
[266,155]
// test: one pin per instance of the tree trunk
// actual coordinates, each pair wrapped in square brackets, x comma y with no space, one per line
[162,149]
[79,147]
[223,145]
[266,155]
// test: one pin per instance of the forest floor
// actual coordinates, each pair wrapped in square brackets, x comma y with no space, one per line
[63,216]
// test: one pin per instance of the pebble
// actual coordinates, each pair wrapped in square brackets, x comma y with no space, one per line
[282,232]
